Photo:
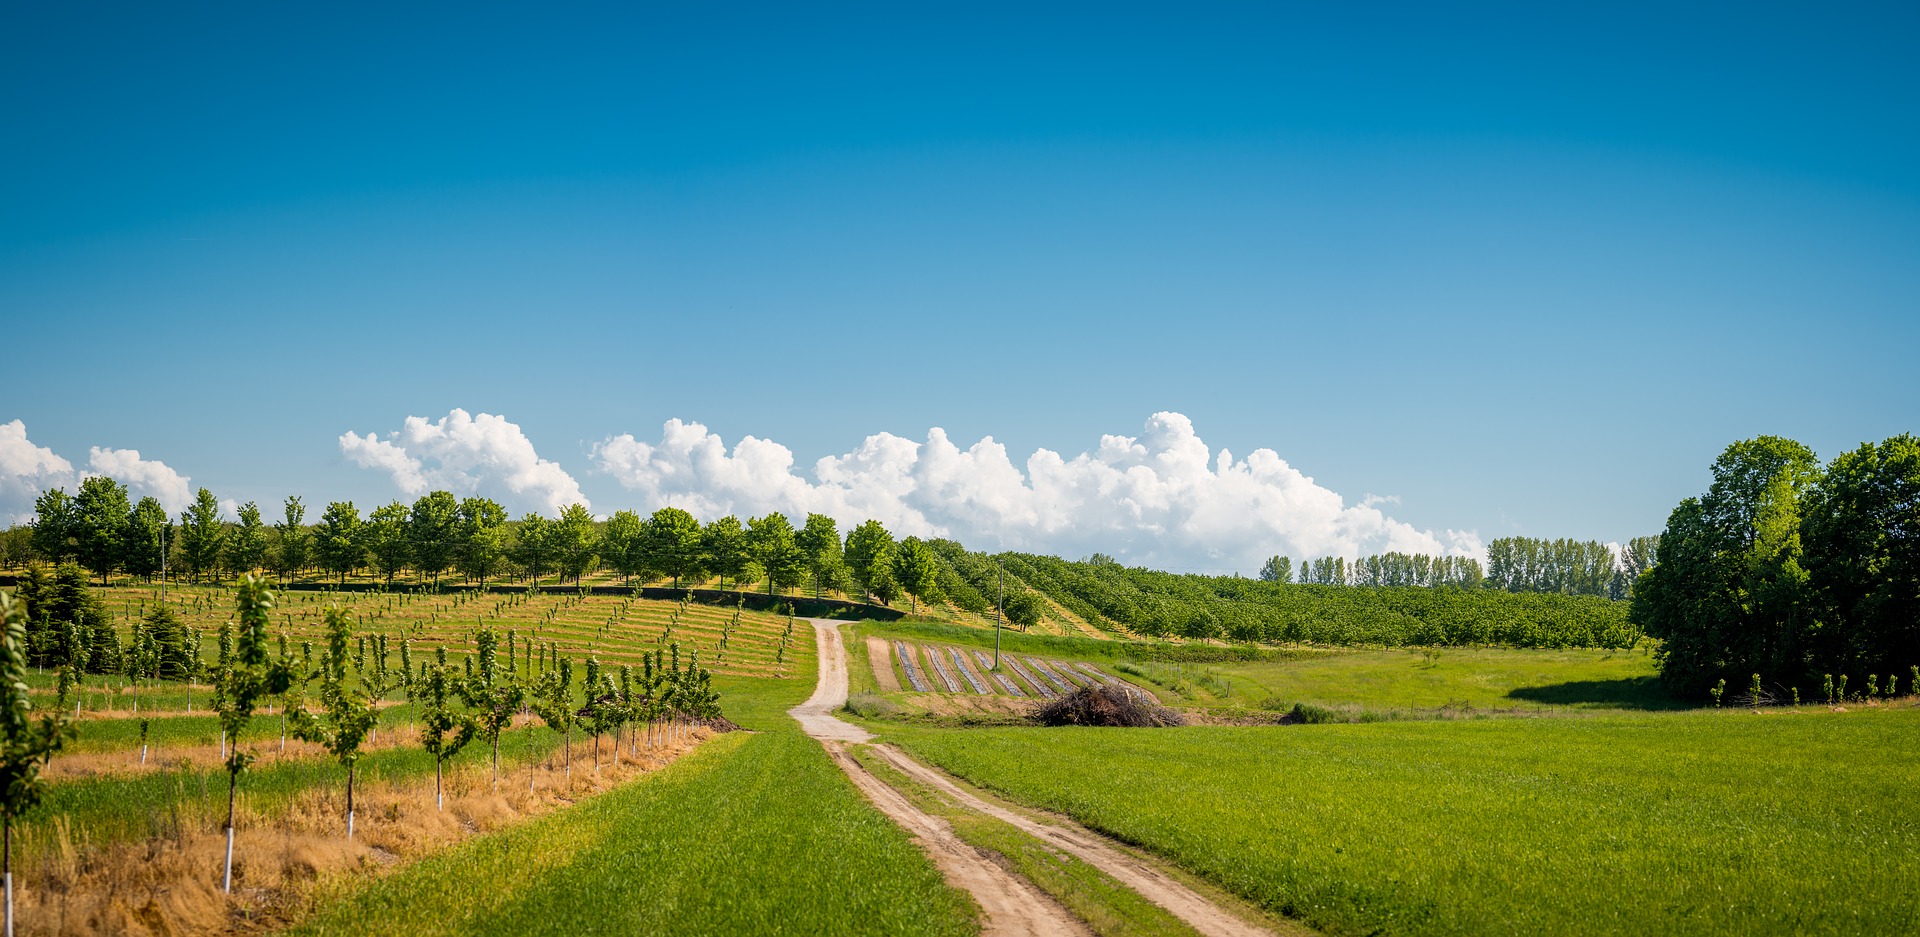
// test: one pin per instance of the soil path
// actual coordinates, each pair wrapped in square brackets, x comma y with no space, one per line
[880,655]
[1093,849]
[1011,905]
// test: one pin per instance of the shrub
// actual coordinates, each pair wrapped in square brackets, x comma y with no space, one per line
[1309,714]
[871,706]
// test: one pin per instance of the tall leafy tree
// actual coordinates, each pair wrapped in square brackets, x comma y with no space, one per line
[54,524]
[771,542]
[433,529]
[917,571]
[533,546]
[148,533]
[483,538]
[1729,596]
[1276,569]
[202,536]
[293,542]
[623,545]
[553,703]
[576,543]
[869,556]
[247,546]
[100,513]
[723,543]
[26,743]
[337,541]
[1862,540]
[819,542]
[386,539]
[672,544]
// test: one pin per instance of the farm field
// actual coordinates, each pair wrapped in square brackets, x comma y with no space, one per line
[753,834]
[1354,683]
[1700,822]
[1477,678]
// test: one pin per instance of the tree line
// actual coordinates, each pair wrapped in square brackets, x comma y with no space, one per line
[1787,575]
[439,534]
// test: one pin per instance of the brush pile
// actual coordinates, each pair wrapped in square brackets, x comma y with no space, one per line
[1104,706]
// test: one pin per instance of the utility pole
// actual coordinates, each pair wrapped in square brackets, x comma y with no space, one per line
[999,608]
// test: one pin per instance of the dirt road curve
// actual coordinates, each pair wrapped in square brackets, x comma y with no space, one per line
[1011,905]
[830,693]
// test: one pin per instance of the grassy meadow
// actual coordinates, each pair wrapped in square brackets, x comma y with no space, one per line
[1716,821]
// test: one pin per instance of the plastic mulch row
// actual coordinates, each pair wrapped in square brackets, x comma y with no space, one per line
[906,664]
[986,667]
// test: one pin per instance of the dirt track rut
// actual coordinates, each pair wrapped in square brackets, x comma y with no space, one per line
[1012,905]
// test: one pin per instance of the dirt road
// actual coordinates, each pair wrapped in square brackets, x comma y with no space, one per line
[1012,905]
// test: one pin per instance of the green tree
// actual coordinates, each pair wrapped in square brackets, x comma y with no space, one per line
[433,529]
[100,524]
[294,542]
[349,713]
[1024,609]
[576,543]
[553,703]
[723,543]
[1729,597]
[533,546]
[147,535]
[1862,539]
[247,547]
[386,538]
[771,543]
[54,523]
[444,730]
[493,700]
[917,571]
[248,675]
[623,545]
[869,556]
[202,536]
[28,743]
[483,538]
[672,544]
[819,541]
[337,542]
[1276,569]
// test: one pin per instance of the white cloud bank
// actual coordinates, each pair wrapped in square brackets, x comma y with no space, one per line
[467,455]
[1163,498]
[27,470]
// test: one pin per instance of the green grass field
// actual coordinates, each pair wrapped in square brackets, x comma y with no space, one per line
[753,834]
[1692,823]
[1481,678]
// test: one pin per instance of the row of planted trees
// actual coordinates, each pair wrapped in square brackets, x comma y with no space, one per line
[334,699]
[439,534]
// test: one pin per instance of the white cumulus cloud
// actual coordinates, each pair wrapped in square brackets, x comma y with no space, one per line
[1162,498]
[467,455]
[26,470]
[143,477]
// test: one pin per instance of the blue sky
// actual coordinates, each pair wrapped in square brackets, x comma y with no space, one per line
[1525,269]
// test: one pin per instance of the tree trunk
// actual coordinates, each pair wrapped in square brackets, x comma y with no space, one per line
[349,803]
[7,822]
[439,799]
[226,881]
